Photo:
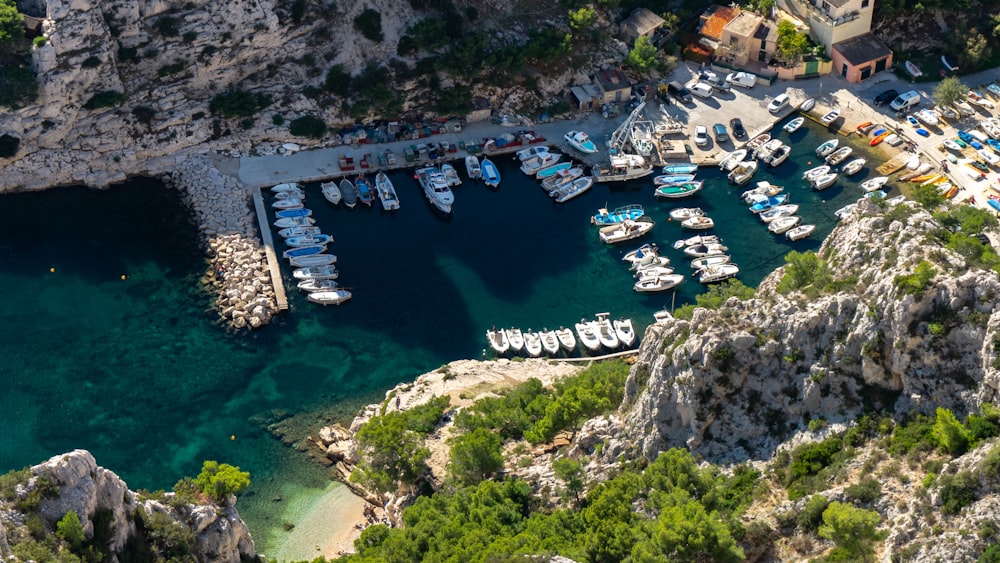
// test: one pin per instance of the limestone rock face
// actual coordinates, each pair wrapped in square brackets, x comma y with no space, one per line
[732,384]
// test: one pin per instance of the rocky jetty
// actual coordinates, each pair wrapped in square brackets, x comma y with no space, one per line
[238,271]
[74,482]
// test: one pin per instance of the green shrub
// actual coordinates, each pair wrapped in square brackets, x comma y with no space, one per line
[716,297]
[70,529]
[143,114]
[18,86]
[949,434]
[957,491]
[991,555]
[39,41]
[308,126]
[218,481]
[369,23]
[475,456]
[278,119]
[189,36]
[105,99]
[167,539]
[247,123]
[917,282]
[173,68]
[9,145]
[91,62]
[235,103]
[914,435]
[168,26]
[865,491]
[128,54]
[812,513]
[11,480]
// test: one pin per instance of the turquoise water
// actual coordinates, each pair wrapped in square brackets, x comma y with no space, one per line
[139,372]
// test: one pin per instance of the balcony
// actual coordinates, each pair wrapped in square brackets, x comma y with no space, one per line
[802,6]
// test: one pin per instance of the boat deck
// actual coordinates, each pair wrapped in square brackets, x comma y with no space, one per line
[272,259]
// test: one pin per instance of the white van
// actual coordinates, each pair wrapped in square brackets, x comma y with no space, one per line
[743,79]
[701,90]
[905,101]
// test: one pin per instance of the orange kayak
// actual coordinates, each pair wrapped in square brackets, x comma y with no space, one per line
[864,127]
[923,177]
[879,138]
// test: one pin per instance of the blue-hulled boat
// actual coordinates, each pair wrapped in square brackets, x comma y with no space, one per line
[605,217]
[285,213]
[491,174]
[680,168]
[317,239]
[965,136]
[993,203]
[765,204]
[877,194]
[364,188]
[304,251]
[994,144]
[553,170]
[672,179]
[923,132]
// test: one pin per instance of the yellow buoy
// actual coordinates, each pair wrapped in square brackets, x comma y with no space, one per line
[52,270]
[232,437]
[124,277]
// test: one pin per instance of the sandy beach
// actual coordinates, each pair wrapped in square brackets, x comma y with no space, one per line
[324,525]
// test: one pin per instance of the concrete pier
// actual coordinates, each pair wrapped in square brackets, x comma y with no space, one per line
[273,266]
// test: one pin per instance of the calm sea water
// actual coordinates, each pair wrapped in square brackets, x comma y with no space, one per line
[138,371]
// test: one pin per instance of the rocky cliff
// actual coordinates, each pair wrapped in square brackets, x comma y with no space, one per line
[733,384]
[116,522]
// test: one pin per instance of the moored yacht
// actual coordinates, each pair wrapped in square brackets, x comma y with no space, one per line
[436,188]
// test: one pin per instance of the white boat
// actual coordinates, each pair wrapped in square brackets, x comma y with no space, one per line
[757,141]
[287,203]
[532,343]
[606,332]
[640,253]
[950,144]
[732,159]
[779,156]
[562,178]
[626,230]
[782,224]
[624,331]
[673,179]
[827,147]
[498,340]
[927,117]
[763,189]
[855,166]
[839,155]
[580,141]
[316,284]
[386,192]
[290,194]
[331,192]
[824,181]
[963,108]
[912,69]
[814,173]
[313,260]
[808,104]
[309,240]
[531,166]
[302,251]
[977,99]
[845,210]
[491,174]
[677,191]
[893,140]
[566,338]
[286,222]
[872,184]
[472,168]
[718,273]
[830,116]
[699,223]
[348,193]
[989,156]
[451,175]
[799,232]
[652,270]
[682,213]
[793,125]
[778,211]
[658,283]
[335,297]
[298,231]
[573,189]
[550,342]
[695,240]
[924,168]
[586,331]
[515,339]
[436,188]
[764,151]
[286,187]
[742,173]
[707,249]
[525,154]
[703,262]
[316,273]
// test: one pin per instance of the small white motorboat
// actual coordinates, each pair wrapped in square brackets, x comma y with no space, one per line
[816,172]
[704,262]
[763,189]
[626,230]
[566,338]
[742,173]
[606,332]
[586,331]
[845,210]
[572,189]
[298,231]
[658,283]
[531,166]
[640,253]
[827,147]
[550,342]
[331,192]
[532,343]
[799,232]
[651,271]
[451,175]
[525,154]
[314,284]
[472,168]
[335,297]
[855,166]
[782,224]
[808,104]
[718,273]
[580,141]
[286,222]
[624,331]
[652,262]
[286,187]
[386,192]
[682,213]
[287,203]
[309,240]
[872,184]
[515,339]
[839,155]
[778,211]
[764,151]
[695,240]
[498,340]
[757,141]
[825,181]
[561,178]
[290,194]
[793,125]
[313,260]
[701,222]
[830,117]
[708,249]
[779,156]
[732,159]
[315,273]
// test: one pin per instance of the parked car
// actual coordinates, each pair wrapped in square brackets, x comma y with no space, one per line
[721,135]
[700,135]
[742,79]
[701,90]
[677,90]
[778,103]
[885,97]
[737,126]
[714,80]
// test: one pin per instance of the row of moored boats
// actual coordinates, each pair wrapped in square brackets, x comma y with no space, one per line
[601,334]
[562,179]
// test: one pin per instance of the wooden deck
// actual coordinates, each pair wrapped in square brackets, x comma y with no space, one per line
[273,267]
[895,164]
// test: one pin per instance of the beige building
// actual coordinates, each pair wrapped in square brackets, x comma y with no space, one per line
[834,21]
[640,23]
[748,37]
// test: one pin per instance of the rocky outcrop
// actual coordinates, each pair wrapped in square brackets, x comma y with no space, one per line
[74,482]
[732,384]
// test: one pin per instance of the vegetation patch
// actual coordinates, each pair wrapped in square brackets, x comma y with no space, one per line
[369,23]
[18,86]
[238,103]
[105,99]
[716,297]
[917,282]
[308,126]
[9,145]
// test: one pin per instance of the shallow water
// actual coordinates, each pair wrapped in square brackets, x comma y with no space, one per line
[138,371]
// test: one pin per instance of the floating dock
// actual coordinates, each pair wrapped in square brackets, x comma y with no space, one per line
[273,267]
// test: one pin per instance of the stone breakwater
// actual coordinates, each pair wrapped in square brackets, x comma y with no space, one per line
[238,272]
